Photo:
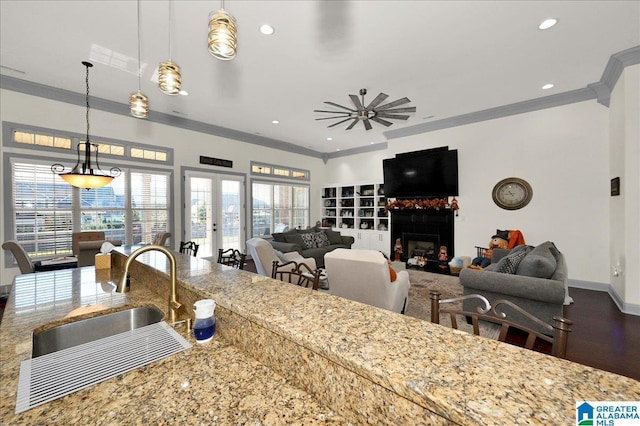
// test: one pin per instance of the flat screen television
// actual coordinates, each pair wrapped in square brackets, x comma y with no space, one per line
[429,173]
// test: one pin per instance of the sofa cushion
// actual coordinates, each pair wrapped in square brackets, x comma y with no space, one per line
[281,236]
[333,236]
[539,262]
[509,263]
[294,238]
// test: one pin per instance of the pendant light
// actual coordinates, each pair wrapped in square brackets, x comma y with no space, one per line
[84,175]
[169,78]
[222,34]
[138,102]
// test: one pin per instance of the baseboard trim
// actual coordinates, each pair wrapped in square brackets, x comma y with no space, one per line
[626,308]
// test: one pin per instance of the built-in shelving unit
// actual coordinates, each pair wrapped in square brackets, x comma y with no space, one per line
[358,210]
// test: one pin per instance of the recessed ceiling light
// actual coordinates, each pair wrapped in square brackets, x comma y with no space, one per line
[548,86]
[337,149]
[183,93]
[329,139]
[547,23]
[275,122]
[266,29]
[372,143]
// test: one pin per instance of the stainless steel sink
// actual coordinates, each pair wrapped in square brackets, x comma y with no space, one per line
[88,330]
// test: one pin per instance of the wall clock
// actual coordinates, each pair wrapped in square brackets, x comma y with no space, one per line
[512,193]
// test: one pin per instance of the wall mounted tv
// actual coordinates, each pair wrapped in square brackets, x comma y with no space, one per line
[421,174]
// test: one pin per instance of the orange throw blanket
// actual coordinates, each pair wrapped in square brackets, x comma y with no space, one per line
[515,239]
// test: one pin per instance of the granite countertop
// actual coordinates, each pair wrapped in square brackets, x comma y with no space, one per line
[284,354]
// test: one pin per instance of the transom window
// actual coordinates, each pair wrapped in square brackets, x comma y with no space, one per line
[279,171]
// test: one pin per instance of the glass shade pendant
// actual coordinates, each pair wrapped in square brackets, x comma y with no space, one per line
[169,78]
[138,101]
[86,174]
[139,105]
[222,35]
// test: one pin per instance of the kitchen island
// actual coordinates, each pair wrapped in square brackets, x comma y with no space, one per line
[283,354]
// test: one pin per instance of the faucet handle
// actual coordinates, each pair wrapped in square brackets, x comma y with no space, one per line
[175,304]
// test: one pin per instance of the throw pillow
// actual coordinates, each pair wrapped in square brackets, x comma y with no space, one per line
[333,236]
[540,262]
[509,263]
[392,273]
[281,256]
[321,239]
[309,240]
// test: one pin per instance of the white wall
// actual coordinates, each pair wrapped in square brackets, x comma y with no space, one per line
[625,209]
[187,145]
[562,152]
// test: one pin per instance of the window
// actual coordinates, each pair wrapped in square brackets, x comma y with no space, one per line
[42,209]
[278,207]
[279,171]
[21,135]
[133,208]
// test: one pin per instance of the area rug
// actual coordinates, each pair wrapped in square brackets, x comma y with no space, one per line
[419,305]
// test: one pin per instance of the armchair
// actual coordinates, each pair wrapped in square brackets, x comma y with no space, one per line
[263,254]
[363,276]
[87,244]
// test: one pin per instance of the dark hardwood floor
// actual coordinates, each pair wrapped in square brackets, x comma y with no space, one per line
[602,336]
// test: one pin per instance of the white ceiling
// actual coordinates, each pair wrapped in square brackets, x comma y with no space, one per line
[449,57]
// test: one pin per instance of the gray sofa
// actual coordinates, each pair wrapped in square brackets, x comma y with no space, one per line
[534,278]
[313,242]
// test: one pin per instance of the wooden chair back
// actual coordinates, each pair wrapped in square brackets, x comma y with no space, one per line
[232,257]
[557,335]
[190,248]
[296,273]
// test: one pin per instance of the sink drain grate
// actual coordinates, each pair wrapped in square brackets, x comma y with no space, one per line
[52,376]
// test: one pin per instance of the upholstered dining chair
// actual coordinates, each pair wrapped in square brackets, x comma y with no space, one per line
[232,257]
[22,257]
[296,273]
[263,255]
[556,334]
[190,248]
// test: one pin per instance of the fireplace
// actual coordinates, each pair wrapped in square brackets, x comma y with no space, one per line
[421,245]
[422,232]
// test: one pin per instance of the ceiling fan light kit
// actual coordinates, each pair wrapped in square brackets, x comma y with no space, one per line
[365,114]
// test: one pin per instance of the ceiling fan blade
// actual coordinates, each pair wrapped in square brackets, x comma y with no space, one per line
[367,124]
[377,101]
[339,106]
[381,121]
[342,121]
[355,121]
[338,117]
[356,102]
[392,116]
[393,104]
[332,112]
[394,111]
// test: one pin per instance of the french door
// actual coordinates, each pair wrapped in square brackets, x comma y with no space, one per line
[214,212]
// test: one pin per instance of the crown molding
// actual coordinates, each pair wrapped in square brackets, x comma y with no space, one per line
[67,96]
[600,90]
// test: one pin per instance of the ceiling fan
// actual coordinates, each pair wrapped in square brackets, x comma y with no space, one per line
[372,112]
